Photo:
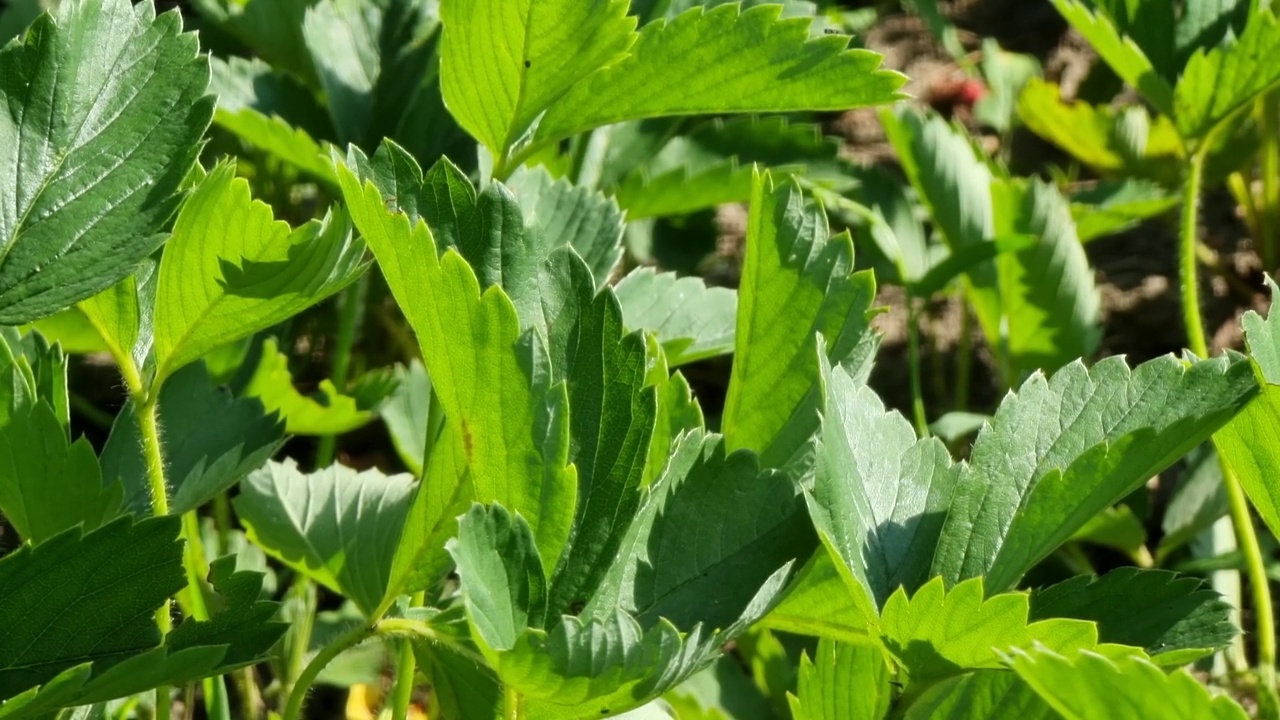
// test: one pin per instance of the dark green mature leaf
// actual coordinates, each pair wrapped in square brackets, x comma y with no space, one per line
[725,59]
[505,428]
[338,527]
[1086,685]
[501,576]
[880,495]
[1220,81]
[747,524]
[1175,620]
[1121,53]
[844,681]
[713,162]
[80,619]
[692,321]
[797,282]
[1205,24]
[1099,434]
[328,412]
[231,270]
[612,413]
[939,633]
[211,441]
[981,695]
[17,15]
[104,82]
[48,484]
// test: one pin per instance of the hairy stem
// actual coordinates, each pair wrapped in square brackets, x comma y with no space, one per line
[145,413]
[1241,519]
[349,639]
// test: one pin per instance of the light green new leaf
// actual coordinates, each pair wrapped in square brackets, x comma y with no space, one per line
[329,412]
[104,83]
[678,410]
[80,627]
[981,695]
[821,603]
[692,321]
[797,282]
[32,371]
[712,164]
[121,315]
[211,441]
[880,495]
[502,63]
[1099,433]
[844,681]
[501,576]
[1218,82]
[507,431]
[336,526]
[281,140]
[939,633]
[723,60]
[1087,685]
[47,483]
[231,270]
[1178,619]
[1121,53]
[747,524]
[1250,443]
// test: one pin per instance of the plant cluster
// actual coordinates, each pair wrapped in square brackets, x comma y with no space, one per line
[470,215]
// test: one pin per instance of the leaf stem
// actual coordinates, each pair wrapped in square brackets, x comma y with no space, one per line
[350,302]
[144,409]
[913,359]
[406,667]
[1241,519]
[349,639]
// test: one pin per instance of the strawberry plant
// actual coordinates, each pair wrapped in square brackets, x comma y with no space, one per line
[557,521]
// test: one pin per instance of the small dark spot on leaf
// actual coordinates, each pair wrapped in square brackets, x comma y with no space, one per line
[528,64]
[576,607]
[466,439]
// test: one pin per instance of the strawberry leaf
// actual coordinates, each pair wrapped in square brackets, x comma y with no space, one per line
[328,412]
[692,321]
[843,681]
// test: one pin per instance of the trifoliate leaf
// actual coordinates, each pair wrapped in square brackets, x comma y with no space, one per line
[47,483]
[939,633]
[1088,685]
[102,83]
[1178,619]
[231,270]
[981,695]
[336,526]
[1250,443]
[211,441]
[797,282]
[328,412]
[506,429]
[722,60]
[692,321]
[744,526]
[1121,53]
[844,681]
[1219,81]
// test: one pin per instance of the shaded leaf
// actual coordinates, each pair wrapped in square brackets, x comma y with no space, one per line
[503,583]
[844,681]
[327,412]
[692,321]
[1121,53]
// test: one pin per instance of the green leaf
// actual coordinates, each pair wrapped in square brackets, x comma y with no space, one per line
[955,264]
[231,270]
[722,60]
[122,316]
[720,692]
[1006,74]
[1220,81]
[1178,619]
[981,695]
[271,28]
[1250,443]
[501,576]
[797,282]
[1088,685]
[80,627]
[1113,208]
[32,372]
[939,633]
[406,414]
[747,523]
[503,63]
[336,526]
[820,603]
[844,681]
[47,483]
[1198,501]
[1205,24]
[102,83]
[328,412]
[1100,433]
[17,15]
[678,410]
[506,429]
[1121,53]
[558,213]
[211,441]
[692,321]
[713,164]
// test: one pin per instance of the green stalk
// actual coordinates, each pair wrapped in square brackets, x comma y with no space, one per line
[406,666]
[216,701]
[349,639]
[298,637]
[149,432]
[1241,519]
[913,359]
[350,303]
